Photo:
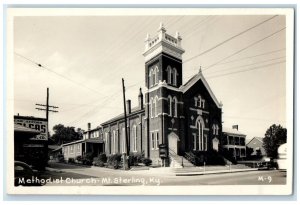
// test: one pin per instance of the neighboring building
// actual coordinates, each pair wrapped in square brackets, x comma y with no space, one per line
[54,151]
[234,142]
[92,142]
[282,152]
[256,143]
[31,140]
[185,117]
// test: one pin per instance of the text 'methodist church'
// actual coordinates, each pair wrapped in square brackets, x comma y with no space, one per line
[184,117]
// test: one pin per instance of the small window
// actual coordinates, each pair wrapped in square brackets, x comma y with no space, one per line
[156,140]
[152,141]
[194,142]
[196,101]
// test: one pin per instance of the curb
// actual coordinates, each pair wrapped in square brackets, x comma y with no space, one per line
[53,170]
[214,172]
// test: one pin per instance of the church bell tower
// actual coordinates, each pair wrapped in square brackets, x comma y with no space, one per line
[163,99]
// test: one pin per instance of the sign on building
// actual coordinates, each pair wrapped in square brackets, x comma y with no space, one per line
[39,124]
[163,151]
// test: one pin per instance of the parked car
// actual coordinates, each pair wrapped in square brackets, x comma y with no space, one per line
[25,175]
[268,164]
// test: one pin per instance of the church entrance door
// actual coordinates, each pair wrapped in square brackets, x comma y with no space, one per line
[173,143]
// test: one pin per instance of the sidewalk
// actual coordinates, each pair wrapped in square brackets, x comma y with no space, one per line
[162,171]
[214,172]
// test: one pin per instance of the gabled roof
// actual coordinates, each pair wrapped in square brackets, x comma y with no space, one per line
[74,142]
[258,138]
[91,140]
[194,80]
[121,116]
[54,147]
[232,131]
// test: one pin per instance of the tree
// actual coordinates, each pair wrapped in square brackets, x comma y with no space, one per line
[274,137]
[64,134]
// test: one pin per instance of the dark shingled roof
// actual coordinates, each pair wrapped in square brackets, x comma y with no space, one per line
[120,116]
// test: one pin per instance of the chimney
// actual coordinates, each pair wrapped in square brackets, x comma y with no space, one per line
[141,100]
[235,127]
[128,106]
[89,126]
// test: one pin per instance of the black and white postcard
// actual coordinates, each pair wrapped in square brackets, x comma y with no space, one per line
[150,101]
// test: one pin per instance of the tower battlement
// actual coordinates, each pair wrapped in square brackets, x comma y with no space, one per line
[163,42]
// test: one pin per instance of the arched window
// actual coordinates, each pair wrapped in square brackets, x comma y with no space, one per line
[150,78]
[114,142]
[214,129]
[169,70]
[156,106]
[202,141]
[134,136]
[174,107]
[199,101]
[156,74]
[153,78]
[151,108]
[107,142]
[174,76]
[170,105]
[217,129]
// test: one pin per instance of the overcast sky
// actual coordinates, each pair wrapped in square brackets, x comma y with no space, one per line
[85,58]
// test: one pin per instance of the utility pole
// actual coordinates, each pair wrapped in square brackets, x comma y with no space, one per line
[47,106]
[125,161]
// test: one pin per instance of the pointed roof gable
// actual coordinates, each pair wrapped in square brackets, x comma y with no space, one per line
[192,81]
[257,138]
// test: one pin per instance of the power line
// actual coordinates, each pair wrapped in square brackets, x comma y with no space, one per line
[52,71]
[92,110]
[246,65]
[252,44]
[250,118]
[229,39]
[194,29]
[261,54]
[245,70]
[240,71]
[101,104]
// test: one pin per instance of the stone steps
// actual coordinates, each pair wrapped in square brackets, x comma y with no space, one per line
[177,162]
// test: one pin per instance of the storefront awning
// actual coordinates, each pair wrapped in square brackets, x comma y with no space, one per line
[19,129]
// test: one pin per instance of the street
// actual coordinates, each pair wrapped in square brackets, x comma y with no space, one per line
[71,175]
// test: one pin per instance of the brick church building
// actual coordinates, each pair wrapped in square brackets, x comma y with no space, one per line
[184,117]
